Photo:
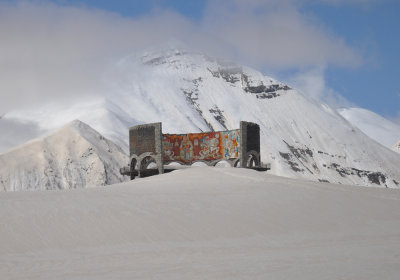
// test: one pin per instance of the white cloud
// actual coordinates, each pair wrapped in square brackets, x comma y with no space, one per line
[277,34]
[52,53]
[14,132]
[312,82]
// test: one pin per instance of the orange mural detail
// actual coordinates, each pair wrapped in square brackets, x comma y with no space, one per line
[208,146]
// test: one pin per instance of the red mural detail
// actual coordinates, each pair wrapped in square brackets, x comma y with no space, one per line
[207,146]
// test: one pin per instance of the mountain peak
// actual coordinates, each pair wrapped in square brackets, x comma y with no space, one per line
[77,124]
[80,127]
[74,156]
[375,126]
[170,45]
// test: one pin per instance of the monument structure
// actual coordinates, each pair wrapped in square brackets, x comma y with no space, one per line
[240,147]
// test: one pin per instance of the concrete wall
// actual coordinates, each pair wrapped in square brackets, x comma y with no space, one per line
[145,147]
[250,142]
[148,144]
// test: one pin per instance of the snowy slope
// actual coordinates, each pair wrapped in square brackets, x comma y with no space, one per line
[191,92]
[378,128]
[75,156]
[202,223]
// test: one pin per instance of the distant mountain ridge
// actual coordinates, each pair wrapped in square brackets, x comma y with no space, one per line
[375,126]
[191,92]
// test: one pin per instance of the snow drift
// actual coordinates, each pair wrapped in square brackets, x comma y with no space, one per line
[75,156]
[202,223]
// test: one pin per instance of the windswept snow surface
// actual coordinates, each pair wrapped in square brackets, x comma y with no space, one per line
[202,223]
[74,156]
[191,92]
[378,128]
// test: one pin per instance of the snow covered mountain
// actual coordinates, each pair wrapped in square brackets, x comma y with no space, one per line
[75,156]
[192,92]
[375,126]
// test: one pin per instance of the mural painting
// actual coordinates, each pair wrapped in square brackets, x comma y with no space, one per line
[188,148]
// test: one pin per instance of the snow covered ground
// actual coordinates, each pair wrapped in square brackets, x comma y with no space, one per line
[202,223]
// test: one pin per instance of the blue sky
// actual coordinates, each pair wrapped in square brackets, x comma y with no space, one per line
[374,30]
[329,49]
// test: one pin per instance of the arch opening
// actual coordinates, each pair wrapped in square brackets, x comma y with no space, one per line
[148,167]
[199,163]
[252,160]
[222,164]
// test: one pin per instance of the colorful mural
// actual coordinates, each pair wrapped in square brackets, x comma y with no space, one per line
[208,146]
